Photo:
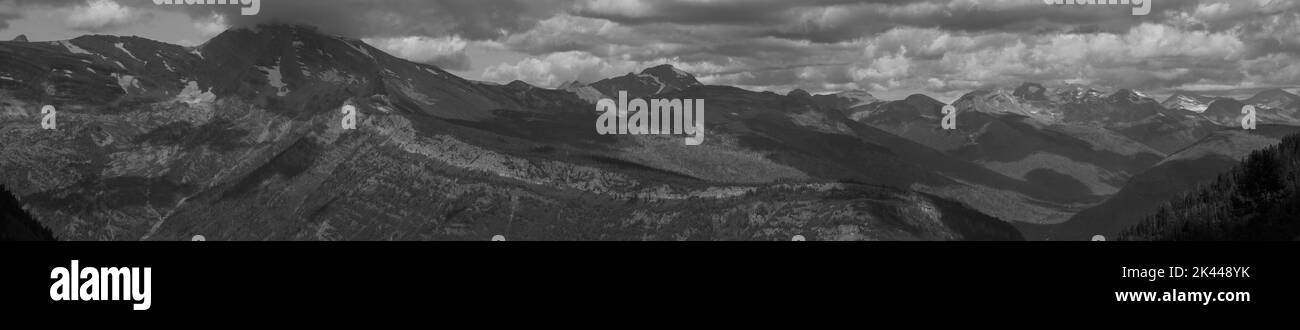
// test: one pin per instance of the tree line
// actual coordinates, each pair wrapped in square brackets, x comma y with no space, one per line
[1256,201]
[16,224]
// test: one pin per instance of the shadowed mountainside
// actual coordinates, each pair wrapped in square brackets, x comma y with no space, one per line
[1257,200]
[240,139]
[16,224]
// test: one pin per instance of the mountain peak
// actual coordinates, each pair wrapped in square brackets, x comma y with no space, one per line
[1125,93]
[279,27]
[671,75]
[798,93]
[1031,91]
[519,84]
[1275,98]
[1276,92]
[1189,101]
[273,31]
[844,100]
[268,44]
[1074,93]
[1129,96]
[570,84]
[651,81]
[663,68]
[21,38]
[923,100]
[1224,110]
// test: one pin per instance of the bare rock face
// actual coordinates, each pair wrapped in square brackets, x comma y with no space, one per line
[650,82]
[21,38]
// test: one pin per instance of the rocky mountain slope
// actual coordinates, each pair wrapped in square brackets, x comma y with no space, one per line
[1017,135]
[1113,155]
[1178,173]
[652,81]
[1256,200]
[1193,165]
[241,138]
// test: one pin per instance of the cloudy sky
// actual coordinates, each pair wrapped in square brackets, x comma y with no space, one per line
[891,48]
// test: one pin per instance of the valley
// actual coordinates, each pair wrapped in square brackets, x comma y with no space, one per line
[240,138]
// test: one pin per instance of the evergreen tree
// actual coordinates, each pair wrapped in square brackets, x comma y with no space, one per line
[16,224]
[1257,200]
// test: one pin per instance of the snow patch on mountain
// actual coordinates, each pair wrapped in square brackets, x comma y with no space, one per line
[122,47]
[431,71]
[119,63]
[361,49]
[1079,94]
[72,48]
[583,91]
[126,81]
[410,91]
[658,82]
[1188,103]
[276,79]
[193,96]
[1000,101]
[201,105]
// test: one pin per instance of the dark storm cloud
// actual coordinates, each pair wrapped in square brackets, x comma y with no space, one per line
[740,12]
[938,45]
[839,20]
[935,46]
[15,9]
[471,19]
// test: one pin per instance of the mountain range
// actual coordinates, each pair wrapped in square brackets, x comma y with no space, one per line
[240,138]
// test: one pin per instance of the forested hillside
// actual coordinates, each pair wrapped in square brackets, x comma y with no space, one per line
[16,224]
[1257,200]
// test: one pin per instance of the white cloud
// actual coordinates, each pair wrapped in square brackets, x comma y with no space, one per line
[102,15]
[557,68]
[446,52]
[885,68]
[211,26]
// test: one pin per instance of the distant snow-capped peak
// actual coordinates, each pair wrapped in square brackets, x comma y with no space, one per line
[1188,101]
